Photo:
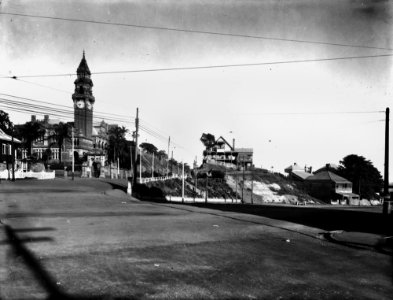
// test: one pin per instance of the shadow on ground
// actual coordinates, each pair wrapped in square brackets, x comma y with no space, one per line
[323,218]
[45,279]
[141,191]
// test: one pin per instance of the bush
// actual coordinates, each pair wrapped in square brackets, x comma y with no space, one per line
[37,167]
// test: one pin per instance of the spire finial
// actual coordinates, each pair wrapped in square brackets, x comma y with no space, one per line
[83,53]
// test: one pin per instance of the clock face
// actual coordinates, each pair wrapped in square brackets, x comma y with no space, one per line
[80,104]
[89,105]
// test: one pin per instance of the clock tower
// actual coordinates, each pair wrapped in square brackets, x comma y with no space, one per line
[83,100]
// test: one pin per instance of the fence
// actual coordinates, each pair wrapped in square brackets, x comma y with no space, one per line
[19,174]
[201,200]
[161,178]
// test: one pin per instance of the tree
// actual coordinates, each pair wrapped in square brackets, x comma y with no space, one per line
[28,133]
[117,147]
[61,133]
[5,123]
[208,140]
[361,173]
[46,156]
[162,154]
[149,148]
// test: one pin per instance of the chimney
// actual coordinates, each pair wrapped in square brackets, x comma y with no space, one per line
[46,118]
[33,118]
[310,169]
[233,144]
[327,167]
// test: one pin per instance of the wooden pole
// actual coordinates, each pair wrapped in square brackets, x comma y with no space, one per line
[387,207]
[136,144]
[72,154]
[182,186]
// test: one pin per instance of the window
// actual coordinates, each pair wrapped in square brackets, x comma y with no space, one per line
[39,152]
[4,149]
[55,154]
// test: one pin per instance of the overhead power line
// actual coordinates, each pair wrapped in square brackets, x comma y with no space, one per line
[58,111]
[316,113]
[41,85]
[214,33]
[34,106]
[68,107]
[215,66]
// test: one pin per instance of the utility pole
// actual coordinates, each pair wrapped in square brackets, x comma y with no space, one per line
[167,161]
[252,189]
[136,144]
[152,167]
[72,154]
[243,185]
[13,154]
[387,207]
[140,166]
[130,159]
[182,186]
[236,186]
[206,195]
[172,163]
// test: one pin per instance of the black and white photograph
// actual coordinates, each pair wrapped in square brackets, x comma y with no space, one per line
[196,149]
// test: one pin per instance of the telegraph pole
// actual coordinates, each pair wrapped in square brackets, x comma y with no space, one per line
[387,207]
[172,163]
[140,166]
[167,161]
[182,185]
[13,154]
[252,189]
[136,144]
[152,167]
[72,154]
[243,184]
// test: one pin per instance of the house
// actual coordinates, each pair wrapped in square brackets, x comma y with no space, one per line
[224,154]
[327,186]
[329,166]
[298,173]
[7,152]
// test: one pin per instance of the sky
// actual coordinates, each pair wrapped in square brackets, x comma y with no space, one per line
[311,113]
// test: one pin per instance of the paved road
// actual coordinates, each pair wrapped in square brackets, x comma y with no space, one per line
[85,240]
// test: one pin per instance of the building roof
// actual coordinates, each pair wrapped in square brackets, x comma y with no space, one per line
[243,150]
[329,166]
[327,176]
[83,67]
[221,141]
[294,167]
[6,137]
[301,174]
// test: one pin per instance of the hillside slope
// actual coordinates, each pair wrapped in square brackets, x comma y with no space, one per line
[261,187]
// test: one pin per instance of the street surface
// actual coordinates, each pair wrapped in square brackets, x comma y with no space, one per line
[83,239]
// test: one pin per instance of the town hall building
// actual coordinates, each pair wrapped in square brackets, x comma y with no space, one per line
[90,140]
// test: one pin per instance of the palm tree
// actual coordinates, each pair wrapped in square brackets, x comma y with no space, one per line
[117,143]
[61,133]
[28,133]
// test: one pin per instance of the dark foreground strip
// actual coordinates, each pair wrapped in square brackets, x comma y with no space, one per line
[42,275]
[44,278]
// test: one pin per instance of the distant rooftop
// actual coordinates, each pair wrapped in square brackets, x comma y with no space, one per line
[327,175]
